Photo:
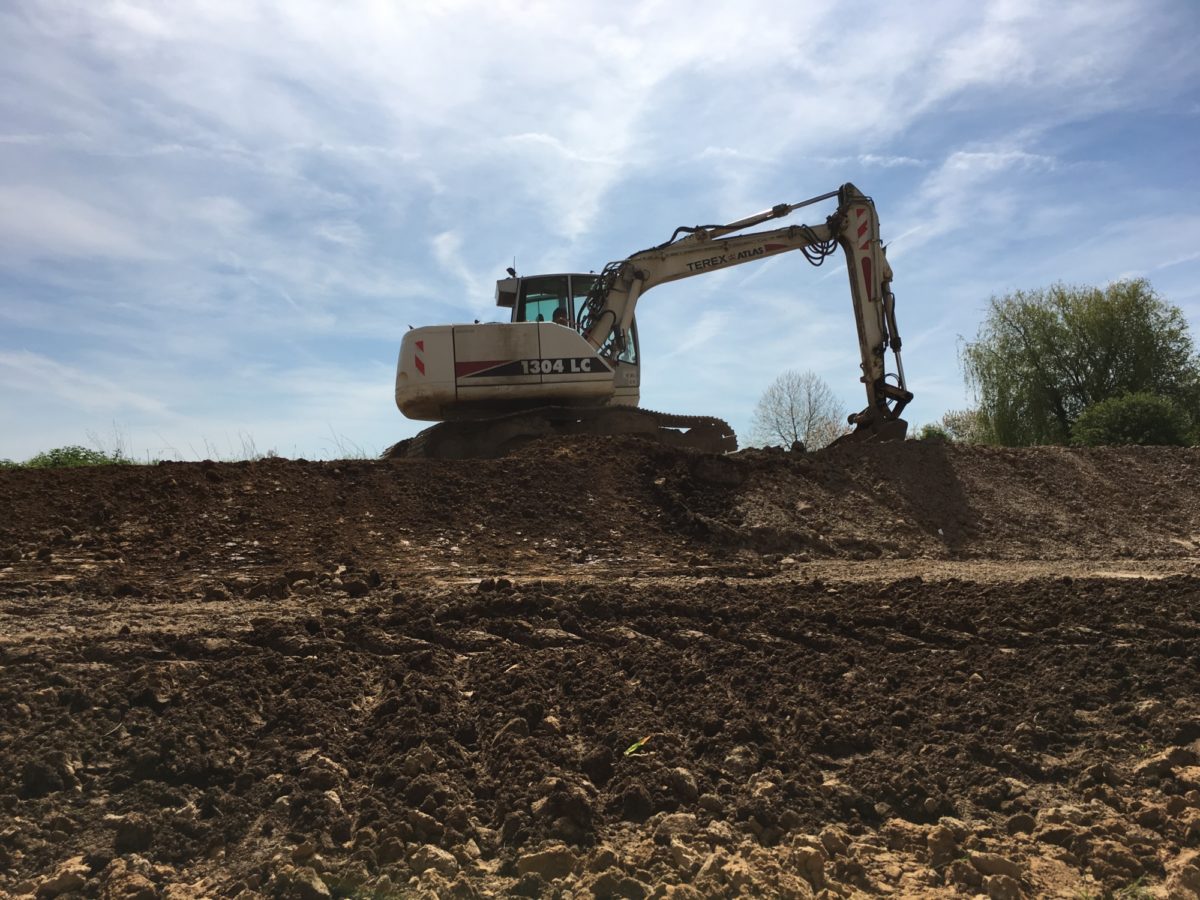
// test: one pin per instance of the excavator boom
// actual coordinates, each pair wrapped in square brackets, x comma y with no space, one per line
[854,226]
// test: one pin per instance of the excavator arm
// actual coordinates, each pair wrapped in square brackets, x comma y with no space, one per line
[608,312]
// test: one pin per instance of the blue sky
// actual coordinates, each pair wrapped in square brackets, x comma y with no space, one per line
[218,219]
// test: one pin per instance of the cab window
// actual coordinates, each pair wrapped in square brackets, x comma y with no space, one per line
[580,285]
[629,354]
[540,297]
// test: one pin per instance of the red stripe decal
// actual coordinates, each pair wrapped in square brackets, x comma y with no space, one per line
[866,267]
[421,346]
[862,229]
[470,368]
[420,365]
[860,212]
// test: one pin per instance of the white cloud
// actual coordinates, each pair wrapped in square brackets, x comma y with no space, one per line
[888,162]
[38,222]
[182,192]
[972,190]
[23,372]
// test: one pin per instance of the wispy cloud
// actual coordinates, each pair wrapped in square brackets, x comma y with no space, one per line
[180,195]
[38,222]
[36,374]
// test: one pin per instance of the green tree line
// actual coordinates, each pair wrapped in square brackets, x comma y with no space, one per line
[1083,365]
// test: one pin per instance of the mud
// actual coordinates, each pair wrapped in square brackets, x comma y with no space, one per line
[605,669]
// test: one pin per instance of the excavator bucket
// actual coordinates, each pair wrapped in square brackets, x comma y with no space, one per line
[876,430]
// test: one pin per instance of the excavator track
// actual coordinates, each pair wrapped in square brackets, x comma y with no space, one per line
[500,435]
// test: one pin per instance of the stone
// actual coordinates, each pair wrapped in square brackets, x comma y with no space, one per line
[994,864]
[636,805]
[433,857]
[72,875]
[741,760]
[1188,777]
[962,872]
[1162,764]
[719,833]
[530,885]
[957,827]
[764,789]
[1059,835]
[1116,857]
[1002,887]
[834,840]
[1021,823]
[1183,875]
[615,883]
[134,834]
[420,760]
[424,826]
[126,885]
[683,785]
[739,875]
[389,851]
[713,866]
[304,850]
[809,861]
[604,858]
[323,773]
[682,857]
[674,825]
[550,863]
[306,884]
[356,587]
[904,835]
[39,779]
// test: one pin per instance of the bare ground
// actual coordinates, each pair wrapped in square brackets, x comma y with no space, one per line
[605,669]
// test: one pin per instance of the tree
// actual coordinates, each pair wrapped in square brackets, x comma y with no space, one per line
[1131,419]
[1042,357]
[965,426]
[798,406]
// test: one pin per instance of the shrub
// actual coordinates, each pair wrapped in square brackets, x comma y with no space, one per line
[1139,418]
[932,432]
[64,457]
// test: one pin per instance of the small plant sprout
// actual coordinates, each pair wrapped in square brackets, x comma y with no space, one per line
[635,748]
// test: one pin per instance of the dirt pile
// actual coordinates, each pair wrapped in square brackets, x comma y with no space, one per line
[604,669]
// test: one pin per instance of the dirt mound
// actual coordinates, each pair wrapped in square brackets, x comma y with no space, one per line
[603,669]
[942,500]
[621,497]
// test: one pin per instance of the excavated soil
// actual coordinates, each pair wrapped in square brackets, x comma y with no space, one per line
[605,669]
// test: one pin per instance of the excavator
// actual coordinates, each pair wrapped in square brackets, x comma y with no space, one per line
[568,361]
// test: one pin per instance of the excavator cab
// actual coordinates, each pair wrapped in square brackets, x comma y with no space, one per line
[539,298]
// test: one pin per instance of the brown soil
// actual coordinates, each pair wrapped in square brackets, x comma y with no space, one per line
[605,669]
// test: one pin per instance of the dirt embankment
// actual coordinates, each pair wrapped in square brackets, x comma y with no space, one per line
[604,669]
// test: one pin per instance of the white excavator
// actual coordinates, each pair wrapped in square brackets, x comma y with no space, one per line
[568,361]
